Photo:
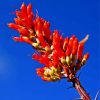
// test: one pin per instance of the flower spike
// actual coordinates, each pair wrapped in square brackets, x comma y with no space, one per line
[60,56]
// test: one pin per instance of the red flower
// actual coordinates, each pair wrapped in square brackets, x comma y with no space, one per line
[60,56]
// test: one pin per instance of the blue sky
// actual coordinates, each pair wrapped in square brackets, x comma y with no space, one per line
[18,79]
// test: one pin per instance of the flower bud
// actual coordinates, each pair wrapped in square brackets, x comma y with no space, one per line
[85,58]
[68,60]
[36,45]
[73,58]
[63,60]
[65,43]
[47,48]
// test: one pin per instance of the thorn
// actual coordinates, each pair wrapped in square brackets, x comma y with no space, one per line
[97,95]
[78,99]
[70,87]
[88,93]
[37,13]
[79,75]
[64,77]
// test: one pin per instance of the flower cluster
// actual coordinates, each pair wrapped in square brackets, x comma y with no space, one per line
[62,57]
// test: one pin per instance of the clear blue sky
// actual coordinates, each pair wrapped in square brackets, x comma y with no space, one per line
[18,79]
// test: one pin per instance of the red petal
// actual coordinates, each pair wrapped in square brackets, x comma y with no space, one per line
[56,40]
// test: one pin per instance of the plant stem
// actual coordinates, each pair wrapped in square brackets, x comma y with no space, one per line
[80,89]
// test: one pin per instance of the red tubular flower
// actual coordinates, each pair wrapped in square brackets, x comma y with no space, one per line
[39,26]
[24,10]
[23,39]
[46,30]
[75,46]
[70,43]
[29,9]
[66,40]
[55,57]
[80,51]
[30,13]
[13,26]
[24,14]
[19,28]
[56,40]
[68,50]
[41,40]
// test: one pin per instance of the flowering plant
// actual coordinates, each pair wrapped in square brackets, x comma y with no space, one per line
[62,57]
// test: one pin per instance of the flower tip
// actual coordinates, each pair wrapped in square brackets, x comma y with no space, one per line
[86,56]
[16,39]
[30,4]
[12,25]
[9,24]
[23,5]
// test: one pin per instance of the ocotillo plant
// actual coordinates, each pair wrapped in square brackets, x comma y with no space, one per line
[62,57]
